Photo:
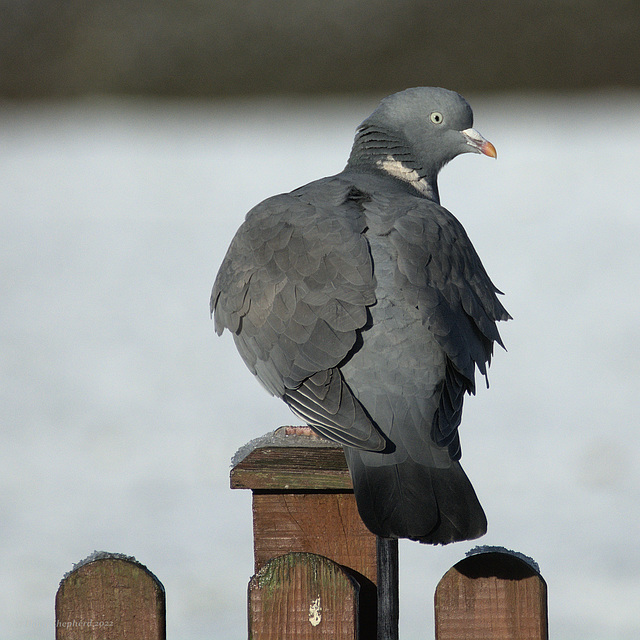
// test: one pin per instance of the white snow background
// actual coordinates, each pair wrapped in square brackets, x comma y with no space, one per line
[121,409]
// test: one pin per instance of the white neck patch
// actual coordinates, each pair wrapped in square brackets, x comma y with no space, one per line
[399,170]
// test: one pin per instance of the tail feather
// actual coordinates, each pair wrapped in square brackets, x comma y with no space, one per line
[410,500]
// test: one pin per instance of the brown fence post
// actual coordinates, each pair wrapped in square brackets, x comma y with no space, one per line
[303,502]
[303,596]
[109,596]
[491,595]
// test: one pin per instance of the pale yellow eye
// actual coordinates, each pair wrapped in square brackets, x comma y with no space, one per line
[436,117]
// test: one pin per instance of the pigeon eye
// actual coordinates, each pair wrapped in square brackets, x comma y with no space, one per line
[436,117]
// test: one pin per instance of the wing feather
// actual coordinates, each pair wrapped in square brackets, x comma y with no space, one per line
[440,273]
[294,289]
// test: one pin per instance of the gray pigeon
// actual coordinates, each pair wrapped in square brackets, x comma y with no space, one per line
[361,302]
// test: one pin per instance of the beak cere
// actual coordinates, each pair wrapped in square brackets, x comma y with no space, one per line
[478,143]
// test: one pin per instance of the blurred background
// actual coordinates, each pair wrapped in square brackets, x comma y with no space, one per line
[212,48]
[134,137]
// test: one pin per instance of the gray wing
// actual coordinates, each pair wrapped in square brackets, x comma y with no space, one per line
[294,289]
[440,273]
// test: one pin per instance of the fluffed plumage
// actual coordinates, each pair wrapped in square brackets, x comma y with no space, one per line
[361,302]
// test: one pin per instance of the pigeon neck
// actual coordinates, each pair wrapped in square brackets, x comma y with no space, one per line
[398,169]
[375,150]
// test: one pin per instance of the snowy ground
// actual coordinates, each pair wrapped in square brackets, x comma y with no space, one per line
[121,409]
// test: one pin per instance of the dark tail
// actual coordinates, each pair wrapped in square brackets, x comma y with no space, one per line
[409,500]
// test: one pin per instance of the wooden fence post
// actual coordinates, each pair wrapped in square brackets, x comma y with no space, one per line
[493,595]
[303,596]
[109,596]
[303,502]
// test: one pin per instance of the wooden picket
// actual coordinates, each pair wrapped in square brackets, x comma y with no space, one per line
[110,597]
[303,596]
[494,594]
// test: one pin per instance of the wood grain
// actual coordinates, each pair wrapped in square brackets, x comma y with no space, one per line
[491,596]
[327,524]
[302,596]
[303,502]
[293,468]
[109,599]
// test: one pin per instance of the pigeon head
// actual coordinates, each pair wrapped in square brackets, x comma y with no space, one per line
[414,133]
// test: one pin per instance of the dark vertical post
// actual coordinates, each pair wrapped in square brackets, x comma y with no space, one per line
[388,598]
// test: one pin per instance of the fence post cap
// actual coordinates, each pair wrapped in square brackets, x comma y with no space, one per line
[290,459]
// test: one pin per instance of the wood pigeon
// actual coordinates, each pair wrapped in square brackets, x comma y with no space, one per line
[360,301]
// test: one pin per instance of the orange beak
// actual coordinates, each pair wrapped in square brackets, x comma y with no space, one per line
[489,150]
[478,143]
